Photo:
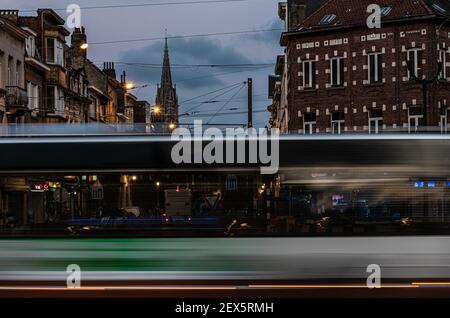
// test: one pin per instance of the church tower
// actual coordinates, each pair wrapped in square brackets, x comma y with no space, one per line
[166,98]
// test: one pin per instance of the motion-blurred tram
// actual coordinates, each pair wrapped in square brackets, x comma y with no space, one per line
[130,184]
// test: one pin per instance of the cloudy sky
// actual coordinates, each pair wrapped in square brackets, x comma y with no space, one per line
[149,22]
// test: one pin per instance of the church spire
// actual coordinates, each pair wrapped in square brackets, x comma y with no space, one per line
[167,97]
[166,76]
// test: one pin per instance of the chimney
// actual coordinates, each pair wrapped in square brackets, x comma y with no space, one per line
[296,13]
[108,69]
[78,38]
[11,15]
[123,78]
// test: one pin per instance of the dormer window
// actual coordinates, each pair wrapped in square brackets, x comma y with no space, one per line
[385,11]
[327,19]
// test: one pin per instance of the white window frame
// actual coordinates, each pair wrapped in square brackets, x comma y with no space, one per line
[378,127]
[444,122]
[311,125]
[443,60]
[2,83]
[9,73]
[416,66]
[33,96]
[378,77]
[416,119]
[340,81]
[30,45]
[18,73]
[311,79]
[58,54]
[340,124]
[59,100]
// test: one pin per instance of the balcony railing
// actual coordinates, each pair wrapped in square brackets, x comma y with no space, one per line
[16,97]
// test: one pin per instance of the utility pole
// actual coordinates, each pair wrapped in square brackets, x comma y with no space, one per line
[424,83]
[250,103]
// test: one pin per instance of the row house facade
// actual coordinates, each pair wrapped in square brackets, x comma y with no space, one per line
[13,96]
[43,80]
[339,76]
[59,84]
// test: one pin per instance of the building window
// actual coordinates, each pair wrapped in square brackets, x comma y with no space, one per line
[9,80]
[55,100]
[33,96]
[309,74]
[18,74]
[443,60]
[375,68]
[2,84]
[309,123]
[444,120]
[337,71]
[93,108]
[414,58]
[30,46]
[337,122]
[375,121]
[415,119]
[55,51]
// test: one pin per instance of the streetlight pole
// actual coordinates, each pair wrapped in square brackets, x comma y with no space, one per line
[424,82]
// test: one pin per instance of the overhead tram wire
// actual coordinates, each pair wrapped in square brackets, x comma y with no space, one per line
[224,105]
[218,75]
[229,113]
[154,4]
[214,97]
[210,93]
[185,36]
[158,65]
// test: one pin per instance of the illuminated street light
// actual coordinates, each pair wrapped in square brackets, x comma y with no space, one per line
[157,110]
[84,46]
[172,126]
[129,86]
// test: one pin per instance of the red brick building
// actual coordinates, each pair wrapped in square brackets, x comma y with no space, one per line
[338,75]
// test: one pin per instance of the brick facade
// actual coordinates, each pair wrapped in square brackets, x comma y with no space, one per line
[392,99]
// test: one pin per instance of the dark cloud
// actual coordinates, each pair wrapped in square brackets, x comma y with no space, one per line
[271,38]
[194,51]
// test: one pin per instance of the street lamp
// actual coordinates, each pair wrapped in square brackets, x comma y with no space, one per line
[129,86]
[84,46]
[157,109]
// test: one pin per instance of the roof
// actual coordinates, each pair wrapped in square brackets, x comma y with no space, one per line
[13,29]
[354,12]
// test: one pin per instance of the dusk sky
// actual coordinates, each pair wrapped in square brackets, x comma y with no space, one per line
[112,24]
